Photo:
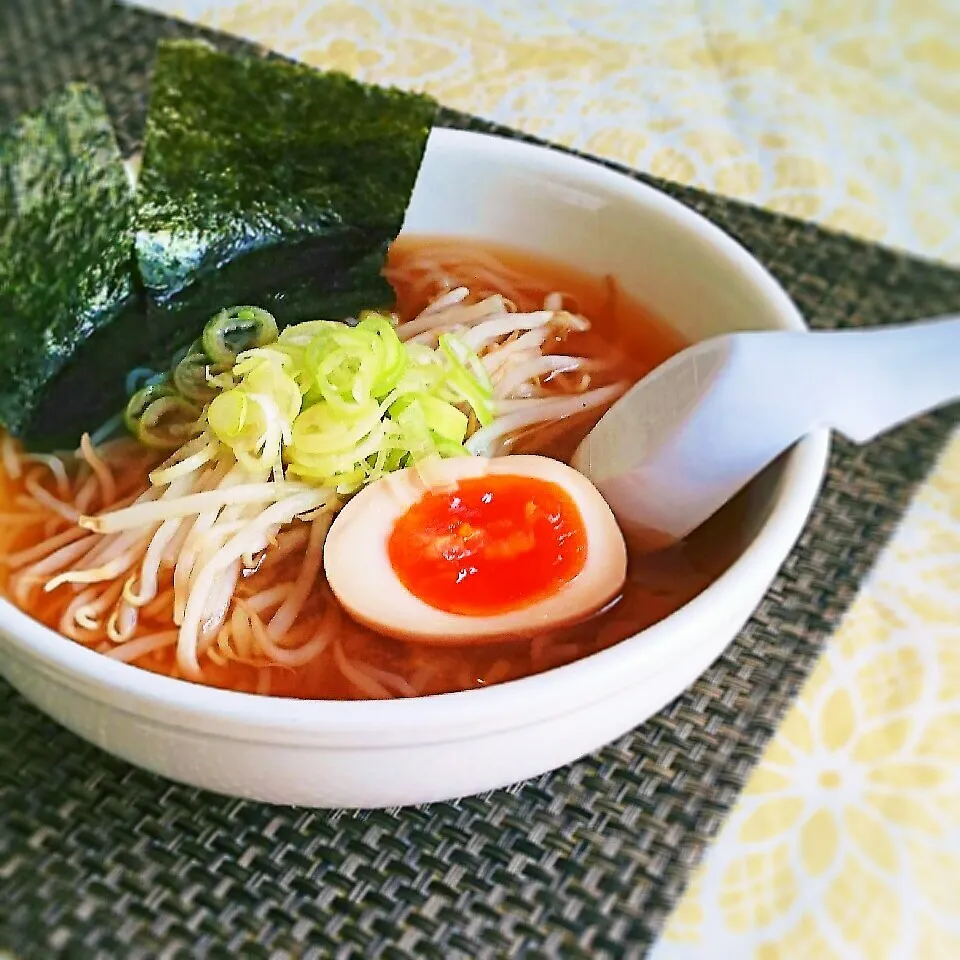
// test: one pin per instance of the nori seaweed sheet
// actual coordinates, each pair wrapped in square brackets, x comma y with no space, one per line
[262,182]
[66,268]
[266,182]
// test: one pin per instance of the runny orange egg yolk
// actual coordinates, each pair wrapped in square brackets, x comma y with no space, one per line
[492,545]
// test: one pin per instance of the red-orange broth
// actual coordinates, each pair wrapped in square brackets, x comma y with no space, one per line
[657,584]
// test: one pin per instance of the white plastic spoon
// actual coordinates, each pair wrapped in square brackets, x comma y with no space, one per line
[695,431]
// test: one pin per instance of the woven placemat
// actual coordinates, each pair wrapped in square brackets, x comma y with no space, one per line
[98,859]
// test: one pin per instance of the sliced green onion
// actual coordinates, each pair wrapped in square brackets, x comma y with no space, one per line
[373,404]
[141,400]
[415,430]
[168,422]
[229,417]
[390,355]
[337,404]
[324,429]
[467,378]
[189,376]
[261,374]
[236,329]
[459,353]
[444,419]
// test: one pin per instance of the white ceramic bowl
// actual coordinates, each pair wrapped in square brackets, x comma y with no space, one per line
[375,753]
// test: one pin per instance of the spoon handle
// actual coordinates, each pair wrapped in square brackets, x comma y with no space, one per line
[869,381]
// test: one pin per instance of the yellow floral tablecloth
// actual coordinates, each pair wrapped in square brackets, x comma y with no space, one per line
[846,842]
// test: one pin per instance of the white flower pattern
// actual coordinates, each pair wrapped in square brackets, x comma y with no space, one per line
[846,841]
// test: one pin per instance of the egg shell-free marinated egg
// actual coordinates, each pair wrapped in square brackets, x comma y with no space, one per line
[510,547]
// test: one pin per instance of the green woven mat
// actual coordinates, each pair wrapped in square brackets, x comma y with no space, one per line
[98,859]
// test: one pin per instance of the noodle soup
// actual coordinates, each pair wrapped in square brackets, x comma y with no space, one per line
[274,627]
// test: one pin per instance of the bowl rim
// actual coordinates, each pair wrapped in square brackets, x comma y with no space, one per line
[536,698]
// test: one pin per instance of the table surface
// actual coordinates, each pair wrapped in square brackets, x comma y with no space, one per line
[846,841]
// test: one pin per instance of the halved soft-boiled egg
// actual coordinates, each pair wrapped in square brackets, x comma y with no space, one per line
[476,549]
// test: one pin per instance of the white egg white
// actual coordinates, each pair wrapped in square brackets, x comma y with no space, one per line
[358,568]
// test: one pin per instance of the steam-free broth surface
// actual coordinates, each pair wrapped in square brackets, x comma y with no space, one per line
[362,664]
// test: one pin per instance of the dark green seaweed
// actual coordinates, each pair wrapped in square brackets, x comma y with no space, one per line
[266,182]
[66,268]
[262,182]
